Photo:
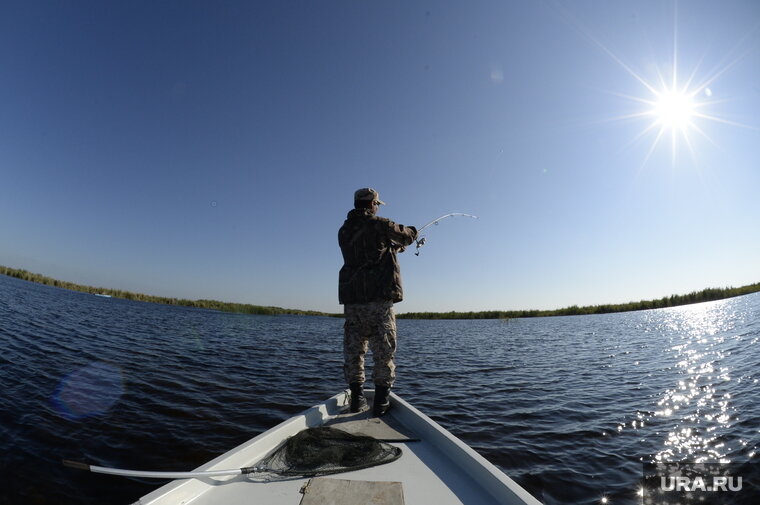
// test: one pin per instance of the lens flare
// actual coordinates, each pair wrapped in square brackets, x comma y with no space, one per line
[89,391]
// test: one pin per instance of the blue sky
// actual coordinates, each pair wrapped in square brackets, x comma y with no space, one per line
[211,150]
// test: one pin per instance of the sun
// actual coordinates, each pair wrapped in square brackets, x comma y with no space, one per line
[675,110]
[674,102]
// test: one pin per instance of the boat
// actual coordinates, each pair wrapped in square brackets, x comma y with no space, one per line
[103,295]
[435,467]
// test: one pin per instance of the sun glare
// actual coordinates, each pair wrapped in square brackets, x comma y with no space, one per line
[675,110]
[676,103]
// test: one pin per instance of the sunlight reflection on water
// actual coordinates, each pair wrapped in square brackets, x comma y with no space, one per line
[699,405]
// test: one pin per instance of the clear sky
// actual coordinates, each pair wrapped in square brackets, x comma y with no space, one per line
[611,149]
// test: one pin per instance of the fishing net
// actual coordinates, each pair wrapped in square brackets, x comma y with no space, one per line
[324,451]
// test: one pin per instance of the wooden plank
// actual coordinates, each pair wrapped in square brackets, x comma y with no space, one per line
[324,491]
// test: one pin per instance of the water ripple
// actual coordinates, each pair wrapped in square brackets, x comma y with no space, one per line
[569,407]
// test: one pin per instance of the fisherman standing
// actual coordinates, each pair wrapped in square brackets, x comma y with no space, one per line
[369,284]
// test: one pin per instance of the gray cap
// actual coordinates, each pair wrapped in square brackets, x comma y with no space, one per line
[365,194]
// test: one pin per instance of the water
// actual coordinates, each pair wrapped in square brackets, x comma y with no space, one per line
[569,407]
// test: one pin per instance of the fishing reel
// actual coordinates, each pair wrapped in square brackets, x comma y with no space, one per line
[420,243]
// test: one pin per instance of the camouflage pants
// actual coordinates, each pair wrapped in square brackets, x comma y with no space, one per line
[369,325]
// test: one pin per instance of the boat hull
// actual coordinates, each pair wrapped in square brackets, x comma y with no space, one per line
[436,467]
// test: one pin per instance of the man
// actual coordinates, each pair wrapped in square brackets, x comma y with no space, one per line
[369,284]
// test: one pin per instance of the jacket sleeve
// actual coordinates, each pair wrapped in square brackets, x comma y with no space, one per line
[400,235]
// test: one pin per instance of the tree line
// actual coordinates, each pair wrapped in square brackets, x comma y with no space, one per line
[705,295]
[243,308]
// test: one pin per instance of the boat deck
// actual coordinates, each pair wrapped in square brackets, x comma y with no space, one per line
[435,466]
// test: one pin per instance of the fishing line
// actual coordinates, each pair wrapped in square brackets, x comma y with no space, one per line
[420,241]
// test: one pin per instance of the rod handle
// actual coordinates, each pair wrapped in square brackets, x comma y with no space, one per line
[76,464]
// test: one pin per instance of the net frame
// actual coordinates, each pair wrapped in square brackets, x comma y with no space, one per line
[323,450]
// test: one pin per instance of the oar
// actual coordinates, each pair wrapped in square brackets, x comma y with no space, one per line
[160,475]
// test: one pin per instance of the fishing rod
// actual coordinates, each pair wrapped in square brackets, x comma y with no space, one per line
[421,240]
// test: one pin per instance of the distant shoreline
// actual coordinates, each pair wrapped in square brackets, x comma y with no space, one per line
[128,295]
[705,295]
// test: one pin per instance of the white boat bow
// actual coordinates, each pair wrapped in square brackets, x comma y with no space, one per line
[435,467]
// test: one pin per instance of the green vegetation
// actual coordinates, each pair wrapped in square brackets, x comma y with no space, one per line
[202,304]
[705,295]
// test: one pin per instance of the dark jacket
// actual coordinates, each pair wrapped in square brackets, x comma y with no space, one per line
[370,270]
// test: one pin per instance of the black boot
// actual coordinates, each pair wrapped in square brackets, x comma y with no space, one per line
[358,401]
[382,400]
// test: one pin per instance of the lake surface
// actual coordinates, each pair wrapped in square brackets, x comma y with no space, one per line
[569,407]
